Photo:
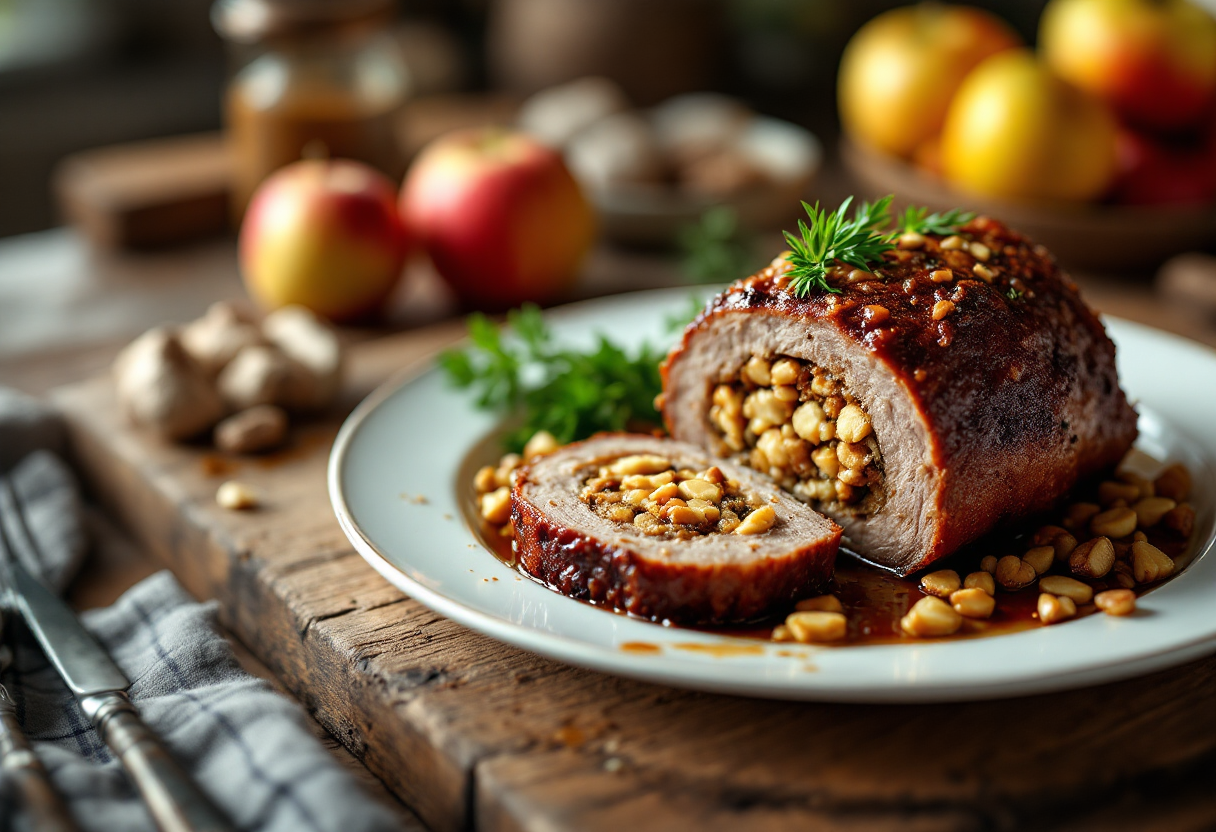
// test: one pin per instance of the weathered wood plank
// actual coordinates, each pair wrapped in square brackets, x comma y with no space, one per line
[475,734]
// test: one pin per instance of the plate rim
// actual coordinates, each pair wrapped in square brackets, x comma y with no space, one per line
[649,669]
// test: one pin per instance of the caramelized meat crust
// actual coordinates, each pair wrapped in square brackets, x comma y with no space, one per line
[992,385]
[707,578]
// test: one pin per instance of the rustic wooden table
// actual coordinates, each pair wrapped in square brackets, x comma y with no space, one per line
[473,734]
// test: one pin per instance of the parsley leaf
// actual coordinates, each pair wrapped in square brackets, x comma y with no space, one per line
[572,394]
[917,219]
[833,236]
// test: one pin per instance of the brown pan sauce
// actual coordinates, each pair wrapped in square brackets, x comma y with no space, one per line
[875,599]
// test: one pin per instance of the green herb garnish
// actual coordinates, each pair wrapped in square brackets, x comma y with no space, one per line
[569,393]
[1014,294]
[917,219]
[714,249]
[832,237]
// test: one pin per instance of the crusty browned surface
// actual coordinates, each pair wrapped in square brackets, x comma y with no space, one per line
[621,573]
[478,735]
[1016,388]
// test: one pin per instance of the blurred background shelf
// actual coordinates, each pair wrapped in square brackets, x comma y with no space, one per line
[118,192]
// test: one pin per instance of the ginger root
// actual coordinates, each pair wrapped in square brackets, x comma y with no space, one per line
[160,386]
[214,339]
[261,374]
[257,429]
[313,344]
[181,382]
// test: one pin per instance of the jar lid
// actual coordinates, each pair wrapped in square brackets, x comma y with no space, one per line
[253,21]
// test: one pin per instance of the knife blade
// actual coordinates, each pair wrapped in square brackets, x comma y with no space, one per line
[174,801]
[79,659]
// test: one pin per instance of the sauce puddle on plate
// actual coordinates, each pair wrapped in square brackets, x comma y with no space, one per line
[874,599]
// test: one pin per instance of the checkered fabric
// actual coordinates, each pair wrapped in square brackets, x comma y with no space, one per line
[246,745]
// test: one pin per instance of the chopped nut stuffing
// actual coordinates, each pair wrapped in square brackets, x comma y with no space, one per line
[661,500]
[797,423]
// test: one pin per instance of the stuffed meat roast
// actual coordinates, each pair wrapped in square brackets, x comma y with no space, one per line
[961,383]
[662,530]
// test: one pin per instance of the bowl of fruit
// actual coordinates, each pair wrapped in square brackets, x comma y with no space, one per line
[1100,143]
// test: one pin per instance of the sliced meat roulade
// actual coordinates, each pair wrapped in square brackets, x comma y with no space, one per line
[662,530]
[960,384]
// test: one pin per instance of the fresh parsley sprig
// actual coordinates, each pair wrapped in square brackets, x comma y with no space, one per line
[834,236]
[860,241]
[570,393]
[917,219]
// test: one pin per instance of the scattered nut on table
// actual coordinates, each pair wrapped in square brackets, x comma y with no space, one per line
[237,496]
[161,387]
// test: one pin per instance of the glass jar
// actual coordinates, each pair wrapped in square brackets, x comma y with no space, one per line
[316,78]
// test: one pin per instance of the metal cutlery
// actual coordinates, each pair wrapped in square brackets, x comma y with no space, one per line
[174,801]
[40,806]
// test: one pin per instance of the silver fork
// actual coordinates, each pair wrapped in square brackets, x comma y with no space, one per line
[39,806]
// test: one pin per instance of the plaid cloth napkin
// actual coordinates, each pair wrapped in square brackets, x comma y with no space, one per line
[247,746]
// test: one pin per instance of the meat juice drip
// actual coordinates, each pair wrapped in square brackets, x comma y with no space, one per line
[874,599]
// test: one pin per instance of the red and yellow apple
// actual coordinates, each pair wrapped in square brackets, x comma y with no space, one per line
[324,234]
[1153,171]
[500,215]
[1016,130]
[1154,61]
[901,69]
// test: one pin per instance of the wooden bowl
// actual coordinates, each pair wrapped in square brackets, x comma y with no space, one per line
[1087,236]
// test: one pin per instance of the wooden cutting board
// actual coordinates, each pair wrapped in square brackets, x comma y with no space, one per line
[478,735]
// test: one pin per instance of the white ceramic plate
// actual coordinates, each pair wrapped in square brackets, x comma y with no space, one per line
[411,438]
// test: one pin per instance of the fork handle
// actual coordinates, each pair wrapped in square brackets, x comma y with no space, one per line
[38,802]
[174,801]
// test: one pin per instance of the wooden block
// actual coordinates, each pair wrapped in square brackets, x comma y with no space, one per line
[477,735]
[148,194]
